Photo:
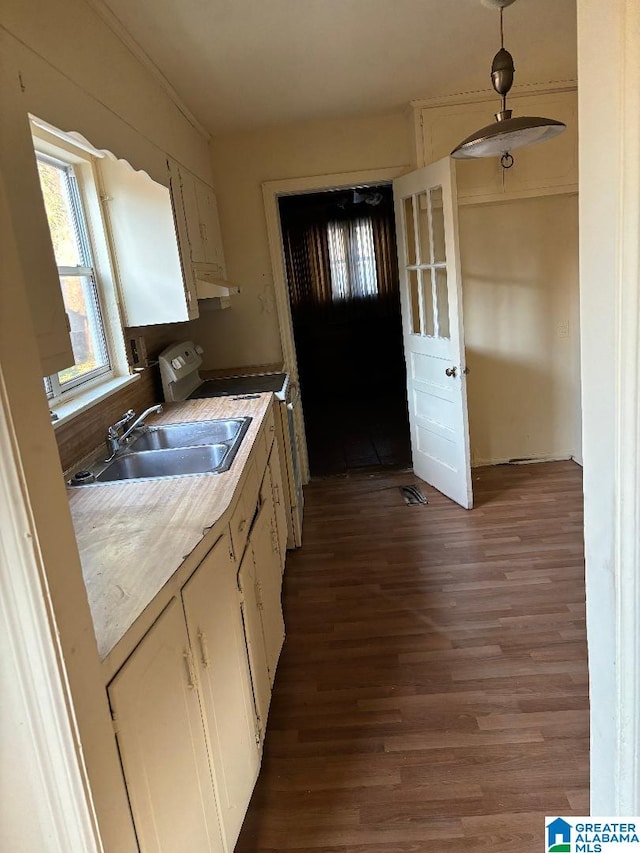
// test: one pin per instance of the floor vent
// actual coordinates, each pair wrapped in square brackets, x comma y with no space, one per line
[412,495]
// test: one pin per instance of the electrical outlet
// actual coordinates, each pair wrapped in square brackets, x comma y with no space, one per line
[563,329]
[138,352]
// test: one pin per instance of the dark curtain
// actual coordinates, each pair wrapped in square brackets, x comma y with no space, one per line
[307,251]
[348,341]
[308,266]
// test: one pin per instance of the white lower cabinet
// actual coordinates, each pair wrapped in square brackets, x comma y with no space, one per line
[251,615]
[214,623]
[263,542]
[190,704]
[162,743]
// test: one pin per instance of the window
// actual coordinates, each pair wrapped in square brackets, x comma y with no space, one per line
[72,249]
[353,259]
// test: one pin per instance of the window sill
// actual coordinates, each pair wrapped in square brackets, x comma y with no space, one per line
[69,409]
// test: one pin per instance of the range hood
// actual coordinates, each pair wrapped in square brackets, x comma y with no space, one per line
[211,286]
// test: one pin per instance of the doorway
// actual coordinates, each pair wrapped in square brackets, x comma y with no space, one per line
[342,275]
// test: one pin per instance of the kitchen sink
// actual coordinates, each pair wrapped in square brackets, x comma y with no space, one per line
[205,459]
[188,434]
[174,450]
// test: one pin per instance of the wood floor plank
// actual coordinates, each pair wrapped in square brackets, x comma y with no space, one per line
[432,693]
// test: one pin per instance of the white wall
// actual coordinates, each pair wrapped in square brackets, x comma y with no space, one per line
[520,296]
[73,72]
[247,334]
[76,74]
[520,282]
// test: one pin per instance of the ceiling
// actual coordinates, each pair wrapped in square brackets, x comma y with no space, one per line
[240,64]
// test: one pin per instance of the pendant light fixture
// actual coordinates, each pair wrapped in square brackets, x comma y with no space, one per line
[505,133]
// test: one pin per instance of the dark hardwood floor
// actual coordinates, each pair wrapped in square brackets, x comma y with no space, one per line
[369,432]
[432,691]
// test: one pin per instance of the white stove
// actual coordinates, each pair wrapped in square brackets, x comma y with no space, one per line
[181,380]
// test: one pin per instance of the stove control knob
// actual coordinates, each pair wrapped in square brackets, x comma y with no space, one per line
[199,349]
[176,363]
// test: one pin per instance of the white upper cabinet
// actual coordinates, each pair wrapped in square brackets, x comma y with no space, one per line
[198,226]
[210,229]
[545,169]
[145,248]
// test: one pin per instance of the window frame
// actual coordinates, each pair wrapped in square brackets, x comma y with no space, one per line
[55,387]
[63,150]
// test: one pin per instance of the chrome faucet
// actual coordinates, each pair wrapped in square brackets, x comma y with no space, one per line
[115,440]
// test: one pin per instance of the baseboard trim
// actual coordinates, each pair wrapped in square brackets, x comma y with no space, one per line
[529,460]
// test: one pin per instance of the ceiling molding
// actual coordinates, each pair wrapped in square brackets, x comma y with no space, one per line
[117,27]
[519,90]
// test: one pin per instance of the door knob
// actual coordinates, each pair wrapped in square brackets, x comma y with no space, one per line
[451,371]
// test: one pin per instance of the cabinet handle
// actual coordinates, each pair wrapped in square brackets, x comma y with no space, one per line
[242,525]
[204,654]
[191,678]
[276,497]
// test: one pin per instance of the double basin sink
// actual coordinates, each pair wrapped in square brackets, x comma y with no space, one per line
[175,450]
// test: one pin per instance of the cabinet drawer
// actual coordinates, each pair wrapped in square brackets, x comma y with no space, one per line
[245,510]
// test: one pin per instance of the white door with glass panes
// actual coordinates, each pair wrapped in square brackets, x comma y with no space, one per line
[431,300]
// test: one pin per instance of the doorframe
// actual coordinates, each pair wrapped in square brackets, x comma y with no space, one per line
[271,192]
[608,69]
[39,690]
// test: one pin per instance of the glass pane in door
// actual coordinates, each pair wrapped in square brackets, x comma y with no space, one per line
[442,302]
[424,229]
[437,222]
[427,303]
[414,301]
[409,225]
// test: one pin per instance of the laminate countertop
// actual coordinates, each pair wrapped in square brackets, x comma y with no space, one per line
[133,535]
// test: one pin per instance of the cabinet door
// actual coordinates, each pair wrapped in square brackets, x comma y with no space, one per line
[188,184]
[162,742]
[252,622]
[144,244]
[263,543]
[214,623]
[209,226]
[279,501]
[537,170]
[176,175]
[553,166]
